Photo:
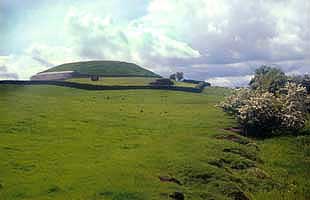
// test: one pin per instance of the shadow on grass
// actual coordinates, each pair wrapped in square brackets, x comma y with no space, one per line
[119,195]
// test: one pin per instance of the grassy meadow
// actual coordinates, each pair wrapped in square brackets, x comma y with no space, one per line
[62,143]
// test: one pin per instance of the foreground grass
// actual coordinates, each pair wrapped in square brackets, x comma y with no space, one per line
[287,159]
[61,143]
[124,81]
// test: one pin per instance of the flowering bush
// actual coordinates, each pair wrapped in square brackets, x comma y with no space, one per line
[293,112]
[236,100]
[307,103]
[261,111]
[267,112]
[303,80]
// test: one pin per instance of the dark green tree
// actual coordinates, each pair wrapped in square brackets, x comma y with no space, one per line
[269,79]
[178,76]
[172,77]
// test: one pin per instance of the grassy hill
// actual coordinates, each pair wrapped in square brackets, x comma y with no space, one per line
[62,143]
[105,68]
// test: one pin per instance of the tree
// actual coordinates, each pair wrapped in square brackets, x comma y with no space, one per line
[178,76]
[269,79]
[172,77]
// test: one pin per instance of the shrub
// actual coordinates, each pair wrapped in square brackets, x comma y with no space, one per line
[307,103]
[302,80]
[236,100]
[260,111]
[293,112]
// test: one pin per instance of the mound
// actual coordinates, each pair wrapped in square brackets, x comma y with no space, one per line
[104,68]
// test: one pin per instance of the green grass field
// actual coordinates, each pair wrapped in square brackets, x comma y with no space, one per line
[136,81]
[62,143]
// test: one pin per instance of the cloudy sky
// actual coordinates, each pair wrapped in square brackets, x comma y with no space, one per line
[221,41]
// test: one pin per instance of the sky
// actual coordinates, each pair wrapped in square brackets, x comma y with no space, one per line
[220,41]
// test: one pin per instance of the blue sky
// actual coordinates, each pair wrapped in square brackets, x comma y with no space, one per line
[222,41]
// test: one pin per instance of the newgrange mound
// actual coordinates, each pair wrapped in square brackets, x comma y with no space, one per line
[98,68]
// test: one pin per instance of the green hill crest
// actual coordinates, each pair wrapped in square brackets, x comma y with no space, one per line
[104,68]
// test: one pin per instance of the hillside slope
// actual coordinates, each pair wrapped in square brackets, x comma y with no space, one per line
[104,68]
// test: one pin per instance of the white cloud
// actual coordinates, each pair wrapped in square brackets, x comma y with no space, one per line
[23,65]
[230,81]
[35,59]
[51,55]
[4,74]
[235,31]
[98,38]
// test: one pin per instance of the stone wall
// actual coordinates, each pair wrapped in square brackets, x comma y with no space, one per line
[101,87]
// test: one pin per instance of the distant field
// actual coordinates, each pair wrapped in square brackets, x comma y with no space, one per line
[115,81]
[124,81]
[61,143]
[182,84]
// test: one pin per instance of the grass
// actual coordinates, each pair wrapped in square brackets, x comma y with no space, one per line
[136,81]
[115,81]
[183,84]
[287,159]
[62,143]
[105,68]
